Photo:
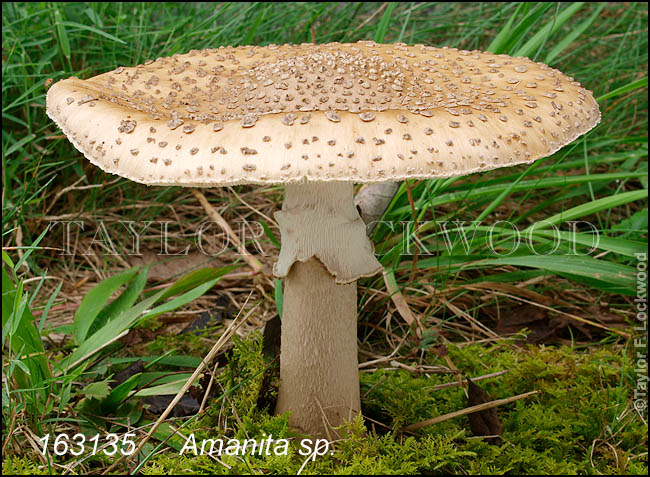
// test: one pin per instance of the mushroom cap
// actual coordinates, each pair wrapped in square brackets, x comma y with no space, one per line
[362,112]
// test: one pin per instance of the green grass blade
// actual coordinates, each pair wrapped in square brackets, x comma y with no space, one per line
[61,33]
[48,305]
[95,301]
[109,332]
[177,360]
[19,329]
[93,30]
[537,14]
[182,300]
[506,192]
[620,276]
[31,248]
[269,234]
[196,278]
[382,27]
[641,83]
[119,393]
[524,186]
[499,42]
[636,223]
[532,45]
[600,274]
[26,96]
[620,246]
[162,389]
[400,38]
[571,37]
[123,302]
[279,297]
[19,144]
[252,29]
[196,282]
[591,208]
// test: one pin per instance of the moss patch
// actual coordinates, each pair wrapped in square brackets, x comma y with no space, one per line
[580,422]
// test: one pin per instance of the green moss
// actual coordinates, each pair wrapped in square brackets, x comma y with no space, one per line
[23,466]
[190,344]
[244,374]
[581,416]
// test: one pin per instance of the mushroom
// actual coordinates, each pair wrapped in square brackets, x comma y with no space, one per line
[320,118]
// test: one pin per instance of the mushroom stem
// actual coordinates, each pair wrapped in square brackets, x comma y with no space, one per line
[325,250]
[319,375]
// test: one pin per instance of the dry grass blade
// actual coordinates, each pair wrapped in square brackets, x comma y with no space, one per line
[509,288]
[254,263]
[33,441]
[468,410]
[207,392]
[371,17]
[564,313]
[401,305]
[75,187]
[477,325]
[253,208]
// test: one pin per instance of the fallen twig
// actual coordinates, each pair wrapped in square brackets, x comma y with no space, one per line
[468,410]
[464,381]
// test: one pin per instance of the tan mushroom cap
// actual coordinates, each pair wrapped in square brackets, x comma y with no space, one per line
[362,112]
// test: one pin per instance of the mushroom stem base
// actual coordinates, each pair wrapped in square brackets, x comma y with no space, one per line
[319,375]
